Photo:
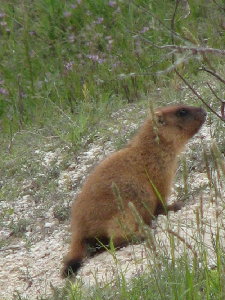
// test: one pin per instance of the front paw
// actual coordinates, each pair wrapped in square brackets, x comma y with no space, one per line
[178,205]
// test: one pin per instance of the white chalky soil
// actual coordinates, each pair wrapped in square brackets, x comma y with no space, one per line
[31,271]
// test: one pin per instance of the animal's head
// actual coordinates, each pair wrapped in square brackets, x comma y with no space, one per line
[179,123]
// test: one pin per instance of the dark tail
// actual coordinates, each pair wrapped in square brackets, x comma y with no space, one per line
[71,267]
[73,260]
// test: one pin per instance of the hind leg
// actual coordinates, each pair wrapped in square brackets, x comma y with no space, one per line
[123,229]
[97,245]
[117,230]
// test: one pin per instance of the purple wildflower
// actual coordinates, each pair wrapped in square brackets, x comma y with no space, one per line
[69,66]
[3,24]
[67,14]
[71,38]
[144,29]
[32,33]
[3,91]
[99,20]
[112,3]
[110,43]
[96,58]
[115,65]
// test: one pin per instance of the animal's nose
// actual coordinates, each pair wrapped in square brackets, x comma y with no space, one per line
[202,111]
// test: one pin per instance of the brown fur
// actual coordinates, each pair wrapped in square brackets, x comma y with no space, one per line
[133,174]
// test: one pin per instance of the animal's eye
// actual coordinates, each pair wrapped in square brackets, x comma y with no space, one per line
[182,112]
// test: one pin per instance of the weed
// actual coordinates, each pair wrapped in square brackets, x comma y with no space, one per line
[66,69]
[18,228]
[71,60]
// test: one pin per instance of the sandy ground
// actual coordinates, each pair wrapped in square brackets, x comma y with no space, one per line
[33,271]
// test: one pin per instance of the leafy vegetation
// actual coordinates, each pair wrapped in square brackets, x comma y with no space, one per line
[73,61]
[65,67]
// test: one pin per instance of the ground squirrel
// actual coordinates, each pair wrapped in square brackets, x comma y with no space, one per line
[141,173]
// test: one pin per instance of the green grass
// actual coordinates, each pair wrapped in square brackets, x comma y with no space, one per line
[77,61]
[165,281]
[182,278]
[65,67]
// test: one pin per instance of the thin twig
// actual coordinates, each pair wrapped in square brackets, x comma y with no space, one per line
[222,108]
[166,56]
[213,73]
[199,97]
[161,23]
[187,6]
[10,248]
[195,50]
[214,93]
[183,60]
[221,7]
[189,246]
[173,25]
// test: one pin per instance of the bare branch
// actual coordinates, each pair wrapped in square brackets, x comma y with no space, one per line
[181,49]
[10,248]
[189,246]
[213,73]
[214,93]
[222,108]
[194,50]
[178,36]
[173,25]
[166,56]
[182,60]
[187,8]
[199,96]
[221,7]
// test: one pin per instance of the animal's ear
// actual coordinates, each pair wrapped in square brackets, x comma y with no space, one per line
[160,119]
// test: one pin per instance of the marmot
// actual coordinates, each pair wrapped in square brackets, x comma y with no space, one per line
[140,173]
